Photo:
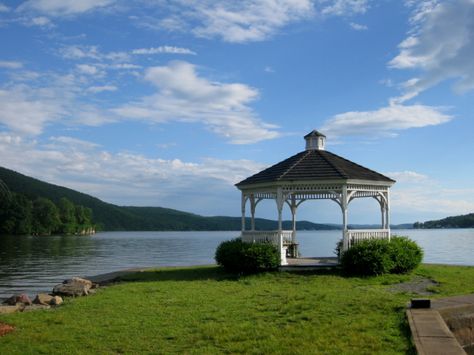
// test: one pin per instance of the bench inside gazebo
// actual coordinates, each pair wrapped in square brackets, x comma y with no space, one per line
[313,174]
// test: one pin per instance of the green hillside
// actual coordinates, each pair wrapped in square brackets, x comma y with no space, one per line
[114,218]
[464,221]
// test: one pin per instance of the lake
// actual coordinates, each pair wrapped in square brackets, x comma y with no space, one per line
[33,264]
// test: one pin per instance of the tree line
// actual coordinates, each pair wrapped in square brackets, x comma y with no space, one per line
[464,221]
[41,216]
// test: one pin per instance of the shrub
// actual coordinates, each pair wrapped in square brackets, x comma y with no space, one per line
[379,256]
[237,256]
[367,257]
[406,255]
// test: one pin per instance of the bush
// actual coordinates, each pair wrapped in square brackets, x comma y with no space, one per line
[406,255]
[367,257]
[237,256]
[379,256]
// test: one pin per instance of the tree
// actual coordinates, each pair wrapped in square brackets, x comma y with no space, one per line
[67,216]
[15,215]
[45,217]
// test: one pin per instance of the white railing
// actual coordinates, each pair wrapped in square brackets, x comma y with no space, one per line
[267,236]
[356,235]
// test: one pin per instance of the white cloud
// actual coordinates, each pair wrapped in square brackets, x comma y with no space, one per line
[26,111]
[88,69]
[248,20]
[97,89]
[163,49]
[385,121]
[40,21]
[10,64]
[184,96]
[128,178]
[344,7]
[358,26]
[268,69]
[407,176]
[64,7]
[81,52]
[418,194]
[440,44]
[4,8]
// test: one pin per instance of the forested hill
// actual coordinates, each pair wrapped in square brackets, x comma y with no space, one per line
[464,221]
[111,217]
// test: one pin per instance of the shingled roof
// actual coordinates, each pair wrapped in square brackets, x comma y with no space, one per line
[314,165]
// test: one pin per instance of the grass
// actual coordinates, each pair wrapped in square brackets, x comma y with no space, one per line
[203,310]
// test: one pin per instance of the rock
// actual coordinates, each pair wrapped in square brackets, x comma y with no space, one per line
[56,301]
[80,280]
[35,307]
[11,309]
[73,287]
[43,298]
[13,300]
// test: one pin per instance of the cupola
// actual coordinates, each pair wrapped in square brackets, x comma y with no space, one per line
[315,140]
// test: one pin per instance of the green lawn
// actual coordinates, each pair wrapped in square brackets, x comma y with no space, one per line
[204,311]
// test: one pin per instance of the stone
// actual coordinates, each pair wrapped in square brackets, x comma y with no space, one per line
[11,309]
[56,301]
[73,287]
[35,307]
[80,280]
[13,300]
[43,298]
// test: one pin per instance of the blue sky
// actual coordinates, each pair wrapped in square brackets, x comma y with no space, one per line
[171,102]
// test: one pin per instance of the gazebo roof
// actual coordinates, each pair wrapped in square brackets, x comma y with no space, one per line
[314,165]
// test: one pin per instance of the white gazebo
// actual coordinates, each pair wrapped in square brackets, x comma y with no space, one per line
[313,174]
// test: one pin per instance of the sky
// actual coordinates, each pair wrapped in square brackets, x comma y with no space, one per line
[171,102]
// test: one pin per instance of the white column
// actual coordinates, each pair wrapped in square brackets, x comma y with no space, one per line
[280,201]
[344,203]
[252,211]
[382,211]
[244,200]
[387,211]
[293,218]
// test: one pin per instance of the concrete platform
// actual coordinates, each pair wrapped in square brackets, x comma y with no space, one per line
[431,334]
[310,263]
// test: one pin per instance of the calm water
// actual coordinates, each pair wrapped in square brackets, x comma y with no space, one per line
[33,264]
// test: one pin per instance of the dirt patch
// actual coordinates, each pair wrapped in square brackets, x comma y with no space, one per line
[418,285]
[5,329]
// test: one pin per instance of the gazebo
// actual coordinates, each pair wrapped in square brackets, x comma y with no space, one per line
[313,174]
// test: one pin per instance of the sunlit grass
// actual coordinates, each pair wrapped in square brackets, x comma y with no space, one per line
[203,310]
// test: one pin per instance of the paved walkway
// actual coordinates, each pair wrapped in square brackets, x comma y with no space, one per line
[430,332]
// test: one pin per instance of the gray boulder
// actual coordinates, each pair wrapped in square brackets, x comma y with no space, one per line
[73,287]
[47,300]
[13,300]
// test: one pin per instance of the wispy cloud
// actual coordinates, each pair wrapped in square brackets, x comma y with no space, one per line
[10,64]
[125,177]
[4,8]
[163,49]
[413,194]
[97,89]
[440,44]
[63,7]
[185,96]
[387,121]
[358,26]
[343,7]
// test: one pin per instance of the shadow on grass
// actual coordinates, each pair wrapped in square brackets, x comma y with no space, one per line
[195,273]
[214,273]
